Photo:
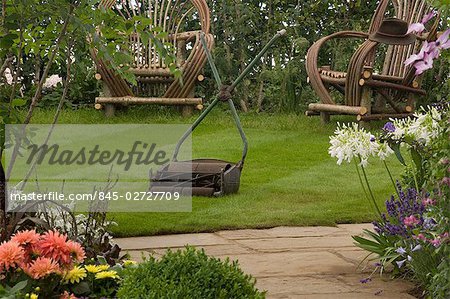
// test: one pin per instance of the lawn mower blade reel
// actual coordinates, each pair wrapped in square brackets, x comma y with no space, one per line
[200,177]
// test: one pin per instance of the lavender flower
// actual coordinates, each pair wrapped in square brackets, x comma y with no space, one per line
[399,210]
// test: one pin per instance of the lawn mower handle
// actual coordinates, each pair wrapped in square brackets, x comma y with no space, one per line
[230,101]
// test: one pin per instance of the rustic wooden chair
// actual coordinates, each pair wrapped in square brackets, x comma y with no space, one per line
[371,93]
[156,84]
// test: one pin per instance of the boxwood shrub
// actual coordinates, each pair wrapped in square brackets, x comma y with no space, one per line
[187,273]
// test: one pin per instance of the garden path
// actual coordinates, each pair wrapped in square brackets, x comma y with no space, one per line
[288,262]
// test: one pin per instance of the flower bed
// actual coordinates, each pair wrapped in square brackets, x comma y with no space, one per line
[413,234]
[49,265]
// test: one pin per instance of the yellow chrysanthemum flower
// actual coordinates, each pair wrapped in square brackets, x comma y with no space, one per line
[106,274]
[33,296]
[75,275]
[127,263]
[95,269]
[103,267]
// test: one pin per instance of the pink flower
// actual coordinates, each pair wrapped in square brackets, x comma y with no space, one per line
[423,65]
[416,28]
[26,237]
[420,27]
[67,295]
[444,161]
[428,202]
[76,251]
[436,242]
[419,56]
[411,221]
[446,181]
[54,245]
[428,17]
[420,237]
[11,255]
[42,267]
[443,41]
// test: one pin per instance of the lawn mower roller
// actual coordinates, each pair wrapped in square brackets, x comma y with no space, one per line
[208,177]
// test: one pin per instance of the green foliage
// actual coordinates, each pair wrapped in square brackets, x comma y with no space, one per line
[187,274]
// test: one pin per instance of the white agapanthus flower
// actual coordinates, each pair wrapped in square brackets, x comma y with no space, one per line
[423,128]
[350,141]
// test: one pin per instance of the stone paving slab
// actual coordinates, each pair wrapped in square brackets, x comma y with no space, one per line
[276,244]
[288,262]
[170,241]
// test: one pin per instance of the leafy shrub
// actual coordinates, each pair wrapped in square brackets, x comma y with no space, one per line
[187,274]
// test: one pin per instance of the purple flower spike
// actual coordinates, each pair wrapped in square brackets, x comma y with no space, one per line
[389,127]
[365,280]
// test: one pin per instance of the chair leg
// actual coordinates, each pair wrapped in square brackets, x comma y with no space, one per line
[109,110]
[324,117]
[187,110]
[366,101]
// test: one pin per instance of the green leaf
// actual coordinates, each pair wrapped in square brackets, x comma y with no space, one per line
[18,102]
[417,158]
[102,260]
[19,286]
[81,288]
[396,148]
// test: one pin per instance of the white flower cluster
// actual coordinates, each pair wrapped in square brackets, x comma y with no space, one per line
[350,141]
[423,128]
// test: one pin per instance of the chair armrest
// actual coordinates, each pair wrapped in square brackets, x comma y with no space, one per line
[311,62]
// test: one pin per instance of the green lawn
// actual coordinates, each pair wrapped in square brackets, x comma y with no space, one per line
[288,178]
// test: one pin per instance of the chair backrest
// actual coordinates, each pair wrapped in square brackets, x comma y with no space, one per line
[411,11]
[171,16]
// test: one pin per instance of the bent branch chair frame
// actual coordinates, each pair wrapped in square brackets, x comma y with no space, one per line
[152,75]
[368,94]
